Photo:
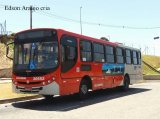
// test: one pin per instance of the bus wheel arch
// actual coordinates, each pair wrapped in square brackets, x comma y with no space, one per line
[84,86]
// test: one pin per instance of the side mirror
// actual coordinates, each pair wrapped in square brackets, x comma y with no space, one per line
[8,52]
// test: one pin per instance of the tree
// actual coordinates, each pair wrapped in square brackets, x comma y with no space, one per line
[104,38]
[6,38]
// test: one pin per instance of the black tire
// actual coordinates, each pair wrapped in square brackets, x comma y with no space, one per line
[126,83]
[83,89]
[48,97]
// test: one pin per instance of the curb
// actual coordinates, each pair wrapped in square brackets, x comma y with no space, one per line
[152,79]
[3,101]
[5,78]
[5,81]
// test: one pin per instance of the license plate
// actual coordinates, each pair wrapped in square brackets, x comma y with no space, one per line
[28,88]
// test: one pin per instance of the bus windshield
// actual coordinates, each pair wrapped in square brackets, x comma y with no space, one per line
[34,54]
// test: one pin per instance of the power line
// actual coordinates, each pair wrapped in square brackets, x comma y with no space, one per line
[95,23]
[58,17]
[91,23]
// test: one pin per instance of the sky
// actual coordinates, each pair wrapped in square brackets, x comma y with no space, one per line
[124,21]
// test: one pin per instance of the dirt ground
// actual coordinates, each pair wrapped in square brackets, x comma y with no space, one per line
[5,63]
[6,73]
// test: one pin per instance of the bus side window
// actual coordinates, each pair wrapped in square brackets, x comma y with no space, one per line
[98,52]
[139,57]
[128,56]
[69,52]
[109,51]
[119,55]
[134,57]
[86,51]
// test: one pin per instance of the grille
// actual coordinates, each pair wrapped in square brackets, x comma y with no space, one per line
[30,83]
[31,90]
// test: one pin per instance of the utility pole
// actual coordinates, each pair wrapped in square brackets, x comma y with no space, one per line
[81,20]
[31,17]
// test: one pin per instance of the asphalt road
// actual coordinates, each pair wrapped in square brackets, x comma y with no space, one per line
[142,101]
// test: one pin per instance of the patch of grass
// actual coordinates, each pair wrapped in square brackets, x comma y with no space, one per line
[148,71]
[154,61]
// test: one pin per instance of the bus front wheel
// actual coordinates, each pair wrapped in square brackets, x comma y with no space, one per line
[83,89]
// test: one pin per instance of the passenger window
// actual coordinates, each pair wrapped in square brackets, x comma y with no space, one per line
[128,56]
[134,57]
[109,54]
[119,55]
[98,52]
[139,58]
[86,51]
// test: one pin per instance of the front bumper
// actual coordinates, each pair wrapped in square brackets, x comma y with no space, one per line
[50,89]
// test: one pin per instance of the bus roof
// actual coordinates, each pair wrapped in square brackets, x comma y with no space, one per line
[87,37]
[82,37]
[127,47]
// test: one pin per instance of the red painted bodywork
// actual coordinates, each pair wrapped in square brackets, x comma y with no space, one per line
[69,82]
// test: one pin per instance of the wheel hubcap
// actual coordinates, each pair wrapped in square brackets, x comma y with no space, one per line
[126,84]
[84,89]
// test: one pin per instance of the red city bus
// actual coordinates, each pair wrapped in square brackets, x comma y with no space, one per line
[57,62]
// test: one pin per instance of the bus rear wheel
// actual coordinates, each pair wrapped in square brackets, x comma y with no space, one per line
[125,86]
[83,89]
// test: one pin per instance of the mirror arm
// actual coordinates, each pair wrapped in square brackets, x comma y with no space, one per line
[7,50]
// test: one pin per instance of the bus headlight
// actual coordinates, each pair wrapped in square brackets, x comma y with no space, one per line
[49,81]
[53,79]
[43,83]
